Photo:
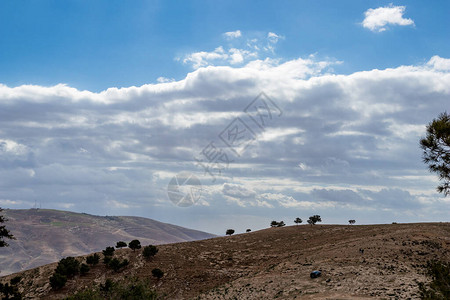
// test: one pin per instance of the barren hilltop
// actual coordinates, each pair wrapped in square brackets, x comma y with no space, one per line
[274,263]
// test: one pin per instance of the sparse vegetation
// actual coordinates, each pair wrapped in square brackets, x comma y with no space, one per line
[10,290]
[436,150]
[134,244]
[157,273]
[351,222]
[149,251]
[132,290]
[298,221]
[248,230]
[439,287]
[93,259]
[229,231]
[314,219]
[109,251]
[121,244]
[4,233]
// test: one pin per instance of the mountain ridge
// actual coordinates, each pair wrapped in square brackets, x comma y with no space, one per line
[46,235]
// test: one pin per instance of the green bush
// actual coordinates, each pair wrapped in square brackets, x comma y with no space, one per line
[439,288]
[149,251]
[58,281]
[106,260]
[84,269]
[93,259]
[121,244]
[116,264]
[135,244]
[157,273]
[109,251]
[68,266]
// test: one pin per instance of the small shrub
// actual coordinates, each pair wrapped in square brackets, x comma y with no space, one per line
[149,251]
[109,251]
[84,268]
[157,273]
[439,288]
[58,281]
[93,259]
[108,286]
[68,266]
[116,264]
[121,244]
[248,230]
[106,259]
[229,231]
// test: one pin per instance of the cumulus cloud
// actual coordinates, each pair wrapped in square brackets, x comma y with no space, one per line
[233,34]
[252,49]
[343,142]
[377,19]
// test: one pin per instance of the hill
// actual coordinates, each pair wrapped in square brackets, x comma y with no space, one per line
[276,263]
[44,236]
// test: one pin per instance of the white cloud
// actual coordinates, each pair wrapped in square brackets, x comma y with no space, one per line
[377,19]
[254,48]
[233,34]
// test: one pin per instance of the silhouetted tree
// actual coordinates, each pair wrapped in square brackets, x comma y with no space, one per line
[109,251]
[121,244]
[157,273]
[273,224]
[229,231]
[314,219]
[134,244]
[436,150]
[149,251]
[4,233]
[351,222]
[298,221]
[281,224]
[248,230]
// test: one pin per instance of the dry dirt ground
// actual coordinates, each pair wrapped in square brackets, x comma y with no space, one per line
[276,263]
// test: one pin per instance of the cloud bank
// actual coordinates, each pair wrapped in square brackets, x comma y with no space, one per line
[346,146]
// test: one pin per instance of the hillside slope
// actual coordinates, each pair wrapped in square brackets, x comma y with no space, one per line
[45,236]
[276,263]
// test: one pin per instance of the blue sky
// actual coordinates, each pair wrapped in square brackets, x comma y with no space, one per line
[95,45]
[102,103]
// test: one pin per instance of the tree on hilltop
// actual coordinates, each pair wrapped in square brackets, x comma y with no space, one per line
[229,231]
[314,219]
[134,244]
[351,222]
[298,221]
[436,150]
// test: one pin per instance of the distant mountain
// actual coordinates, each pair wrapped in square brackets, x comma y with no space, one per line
[44,236]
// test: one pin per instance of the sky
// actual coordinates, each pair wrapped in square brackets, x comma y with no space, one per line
[270,110]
